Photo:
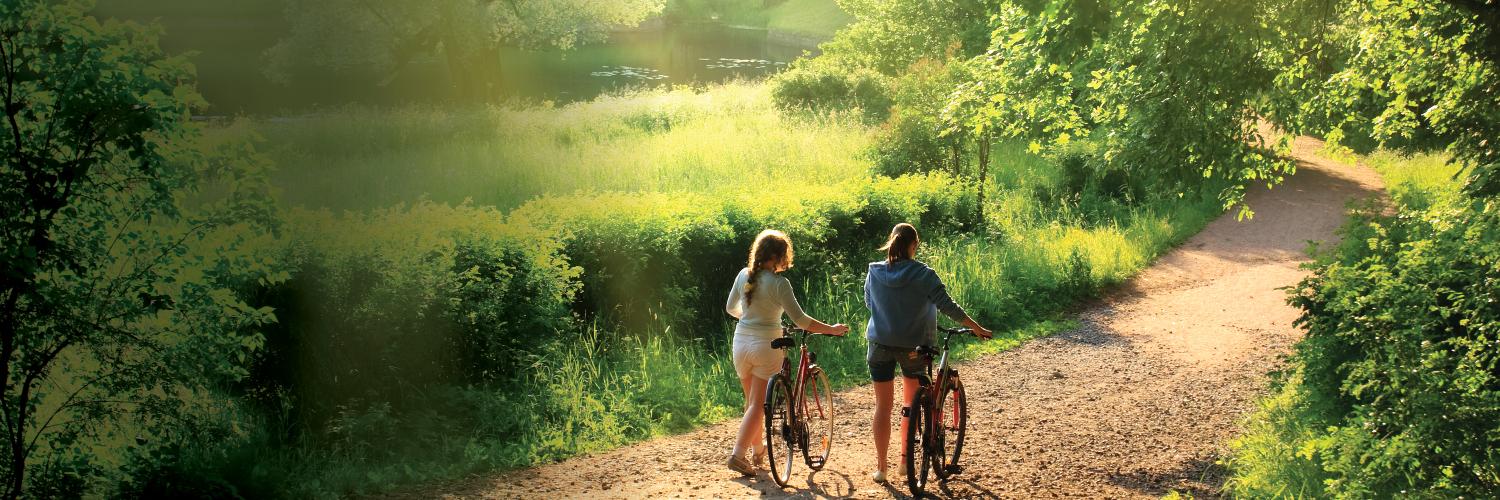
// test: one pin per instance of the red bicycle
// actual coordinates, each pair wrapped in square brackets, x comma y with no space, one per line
[799,410]
[936,419]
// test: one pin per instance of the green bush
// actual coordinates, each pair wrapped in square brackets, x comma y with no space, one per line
[1085,172]
[650,258]
[1395,390]
[384,304]
[824,86]
[910,144]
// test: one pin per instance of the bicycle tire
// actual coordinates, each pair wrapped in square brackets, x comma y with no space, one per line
[817,419]
[780,435]
[952,420]
[916,455]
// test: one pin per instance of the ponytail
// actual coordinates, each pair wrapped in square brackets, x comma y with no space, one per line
[898,246]
[770,247]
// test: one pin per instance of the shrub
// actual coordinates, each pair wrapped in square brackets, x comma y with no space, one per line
[652,258]
[384,304]
[1398,367]
[1084,172]
[822,86]
[910,144]
[1401,338]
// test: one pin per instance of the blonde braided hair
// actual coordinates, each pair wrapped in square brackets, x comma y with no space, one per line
[771,247]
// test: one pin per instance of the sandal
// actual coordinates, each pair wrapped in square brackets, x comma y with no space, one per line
[738,464]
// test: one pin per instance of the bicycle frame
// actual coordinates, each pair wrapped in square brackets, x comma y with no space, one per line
[805,361]
[935,386]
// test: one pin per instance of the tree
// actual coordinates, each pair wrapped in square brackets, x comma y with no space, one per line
[380,37]
[1170,90]
[119,266]
[1416,73]
[891,36]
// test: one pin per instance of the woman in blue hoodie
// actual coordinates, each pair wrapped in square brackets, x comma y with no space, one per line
[904,297]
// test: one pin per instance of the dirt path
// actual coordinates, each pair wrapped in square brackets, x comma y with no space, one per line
[1136,402]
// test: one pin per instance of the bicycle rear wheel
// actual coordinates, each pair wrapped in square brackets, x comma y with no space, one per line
[951,420]
[817,418]
[781,438]
[916,450]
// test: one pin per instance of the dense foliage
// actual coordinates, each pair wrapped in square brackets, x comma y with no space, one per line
[1394,391]
[127,244]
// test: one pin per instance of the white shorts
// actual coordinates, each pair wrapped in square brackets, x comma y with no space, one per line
[754,356]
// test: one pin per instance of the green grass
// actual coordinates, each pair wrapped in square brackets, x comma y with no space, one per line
[1419,180]
[727,138]
[819,18]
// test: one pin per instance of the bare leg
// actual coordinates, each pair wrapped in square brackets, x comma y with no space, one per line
[908,393]
[882,422]
[757,431]
[750,426]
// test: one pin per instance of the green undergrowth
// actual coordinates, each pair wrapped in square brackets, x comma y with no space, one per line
[1393,392]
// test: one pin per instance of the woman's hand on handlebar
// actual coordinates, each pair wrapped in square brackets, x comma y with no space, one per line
[838,330]
[979,331]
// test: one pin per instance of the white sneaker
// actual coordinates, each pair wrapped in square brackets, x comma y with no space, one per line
[878,476]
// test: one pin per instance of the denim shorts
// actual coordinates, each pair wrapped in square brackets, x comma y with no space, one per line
[883,360]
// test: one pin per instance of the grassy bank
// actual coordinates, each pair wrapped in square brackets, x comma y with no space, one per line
[729,139]
[572,307]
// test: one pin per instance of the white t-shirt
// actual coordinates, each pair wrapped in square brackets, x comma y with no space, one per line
[773,296]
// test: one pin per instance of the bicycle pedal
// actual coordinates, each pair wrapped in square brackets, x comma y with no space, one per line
[815,463]
[953,469]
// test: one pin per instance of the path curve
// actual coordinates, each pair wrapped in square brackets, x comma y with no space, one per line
[1136,402]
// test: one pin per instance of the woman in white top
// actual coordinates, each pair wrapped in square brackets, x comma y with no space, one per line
[759,297]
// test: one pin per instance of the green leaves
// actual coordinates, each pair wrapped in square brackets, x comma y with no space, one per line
[1170,89]
[119,293]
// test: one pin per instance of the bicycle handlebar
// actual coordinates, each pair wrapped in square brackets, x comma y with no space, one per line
[957,331]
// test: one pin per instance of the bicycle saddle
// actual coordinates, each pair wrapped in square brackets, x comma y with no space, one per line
[783,343]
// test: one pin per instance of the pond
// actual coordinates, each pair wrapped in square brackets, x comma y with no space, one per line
[229,49]
[670,56]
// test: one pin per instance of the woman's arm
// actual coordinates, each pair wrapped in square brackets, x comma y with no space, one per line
[946,305]
[735,292]
[788,301]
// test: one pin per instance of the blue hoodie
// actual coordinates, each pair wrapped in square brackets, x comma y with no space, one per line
[904,298]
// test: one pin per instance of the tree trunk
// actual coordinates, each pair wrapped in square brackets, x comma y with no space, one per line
[956,151]
[984,169]
[475,72]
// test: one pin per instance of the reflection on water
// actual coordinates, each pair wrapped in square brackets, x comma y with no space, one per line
[627,72]
[730,63]
[229,41]
[672,56]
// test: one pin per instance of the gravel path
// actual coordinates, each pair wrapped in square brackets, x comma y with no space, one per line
[1136,402]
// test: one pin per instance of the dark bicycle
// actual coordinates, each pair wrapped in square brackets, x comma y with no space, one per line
[935,420]
[799,409]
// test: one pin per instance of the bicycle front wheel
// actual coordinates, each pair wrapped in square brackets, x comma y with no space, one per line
[816,414]
[781,437]
[918,458]
[951,419]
